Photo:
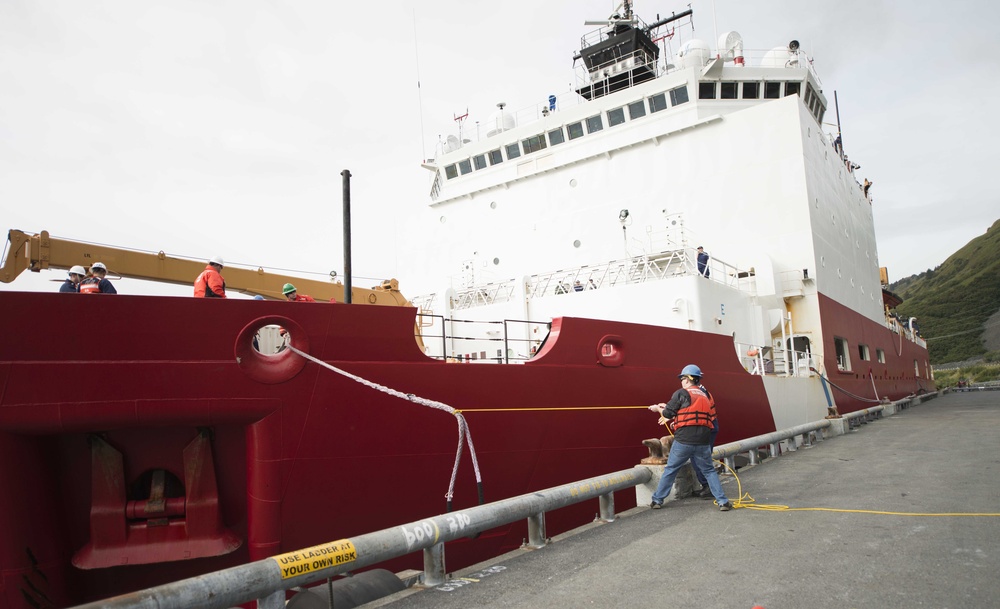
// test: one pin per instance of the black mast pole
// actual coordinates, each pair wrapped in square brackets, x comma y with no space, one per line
[346,174]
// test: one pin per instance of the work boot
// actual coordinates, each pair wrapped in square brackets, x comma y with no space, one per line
[704,492]
[725,507]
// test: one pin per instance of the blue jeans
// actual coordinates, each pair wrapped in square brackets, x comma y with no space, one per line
[711,445]
[701,458]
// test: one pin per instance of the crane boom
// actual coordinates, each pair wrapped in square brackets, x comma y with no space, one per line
[35,252]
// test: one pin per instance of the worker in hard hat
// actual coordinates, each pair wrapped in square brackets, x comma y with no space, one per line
[693,412]
[72,283]
[293,296]
[210,283]
[98,282]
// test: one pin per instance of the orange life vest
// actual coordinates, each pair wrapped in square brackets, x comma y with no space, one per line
[90,285]
[701,410]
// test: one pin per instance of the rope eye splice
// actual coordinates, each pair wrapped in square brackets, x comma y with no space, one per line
[464,433]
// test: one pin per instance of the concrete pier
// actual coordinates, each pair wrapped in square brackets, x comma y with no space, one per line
[941,456]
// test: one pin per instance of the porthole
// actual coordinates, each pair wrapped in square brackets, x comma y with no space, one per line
[833,218]
[262,351]
[493,204]
[816,204]
[572,183]
[496,261]
[576,243]
[441,219]
[822,261]
[839,275]
[852,282]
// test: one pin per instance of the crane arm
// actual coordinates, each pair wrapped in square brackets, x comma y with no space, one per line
[35,252]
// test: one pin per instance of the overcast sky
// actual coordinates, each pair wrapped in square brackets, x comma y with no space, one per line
[207,128]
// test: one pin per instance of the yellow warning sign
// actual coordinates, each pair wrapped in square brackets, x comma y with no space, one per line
[316,558]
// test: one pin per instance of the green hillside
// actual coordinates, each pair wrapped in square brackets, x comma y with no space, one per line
[954,301]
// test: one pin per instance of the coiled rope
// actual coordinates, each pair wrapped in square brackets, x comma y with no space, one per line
[747,502]
[464,433]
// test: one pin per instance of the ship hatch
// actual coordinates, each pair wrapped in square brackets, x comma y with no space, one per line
[159,517]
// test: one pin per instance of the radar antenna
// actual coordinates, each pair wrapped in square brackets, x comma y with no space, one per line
[622,14]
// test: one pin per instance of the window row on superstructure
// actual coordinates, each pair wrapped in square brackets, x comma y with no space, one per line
[771,89]
[571,131]
[707,90]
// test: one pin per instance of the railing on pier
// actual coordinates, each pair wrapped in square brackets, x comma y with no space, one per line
[267,580]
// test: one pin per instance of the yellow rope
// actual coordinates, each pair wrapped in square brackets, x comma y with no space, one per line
[745,501]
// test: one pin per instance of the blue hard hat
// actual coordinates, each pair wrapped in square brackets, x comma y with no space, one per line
[690,370]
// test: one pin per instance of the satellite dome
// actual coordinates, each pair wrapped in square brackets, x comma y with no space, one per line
[694,54]
[780,57]
[500,121]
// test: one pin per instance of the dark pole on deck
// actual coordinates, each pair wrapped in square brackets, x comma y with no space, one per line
[836,105]
[346,174]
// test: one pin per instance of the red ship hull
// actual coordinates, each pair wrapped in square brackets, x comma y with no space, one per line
[263,455]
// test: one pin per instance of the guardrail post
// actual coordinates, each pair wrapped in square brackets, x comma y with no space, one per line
[754,456]
[730,462]
[775,449]
[536,531]
[607,503]
[434,572]
[275,600]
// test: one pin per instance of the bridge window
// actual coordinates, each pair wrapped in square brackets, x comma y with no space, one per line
[495,157]
[575,130]
[556,136]
[880,354]
[706,90]
[465,166]
[751,90]
[513,151]
[679,96]
[451,172]
[534,143]
[728,90]
[772,90]
[792,88]
[636,110]
[616,117]
[658,102]
[594,124]
[479,161]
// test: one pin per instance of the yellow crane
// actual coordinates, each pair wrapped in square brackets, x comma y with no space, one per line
[35,252]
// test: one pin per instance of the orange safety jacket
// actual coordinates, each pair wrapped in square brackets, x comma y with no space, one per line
[90,285]
[701,410]
[302,298]
[210,284]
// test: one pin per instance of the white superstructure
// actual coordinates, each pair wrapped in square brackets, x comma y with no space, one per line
[709,149]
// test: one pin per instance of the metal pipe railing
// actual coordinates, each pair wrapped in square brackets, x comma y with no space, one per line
[266,580]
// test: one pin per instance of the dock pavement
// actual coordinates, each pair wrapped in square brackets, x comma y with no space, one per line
[942,456]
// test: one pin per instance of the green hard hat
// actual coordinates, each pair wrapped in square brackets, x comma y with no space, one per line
[287,289]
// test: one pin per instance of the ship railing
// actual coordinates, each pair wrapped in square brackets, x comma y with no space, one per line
[474,341]
[898,326]
[772,361]
[487,294]
[638,269]
[266,581]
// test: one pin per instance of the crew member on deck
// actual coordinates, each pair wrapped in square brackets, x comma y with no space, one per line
[702,262]
[97,283]
[293,296]
[72,283]
[210,284]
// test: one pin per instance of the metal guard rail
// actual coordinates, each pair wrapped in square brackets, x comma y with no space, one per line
[266,580]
